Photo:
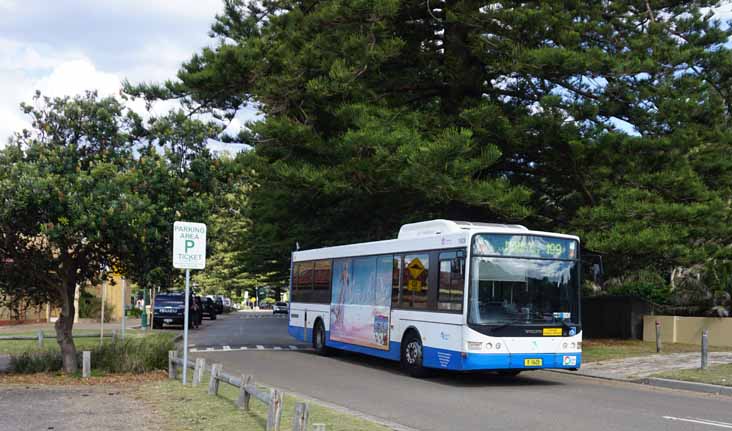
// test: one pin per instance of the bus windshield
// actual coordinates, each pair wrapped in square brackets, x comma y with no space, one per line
[539,285]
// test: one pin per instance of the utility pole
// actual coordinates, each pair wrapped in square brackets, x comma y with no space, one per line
[104,299]
[124,308]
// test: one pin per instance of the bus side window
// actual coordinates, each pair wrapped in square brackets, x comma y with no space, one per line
[321,282]
[451,281]
[416,281]
[302,284]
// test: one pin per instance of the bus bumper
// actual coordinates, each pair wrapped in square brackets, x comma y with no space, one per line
[520,361]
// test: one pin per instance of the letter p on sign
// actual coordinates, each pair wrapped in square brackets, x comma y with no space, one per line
[189,245]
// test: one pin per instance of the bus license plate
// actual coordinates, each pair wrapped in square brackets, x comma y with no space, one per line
[534,362]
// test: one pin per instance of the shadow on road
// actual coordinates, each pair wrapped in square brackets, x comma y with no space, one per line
[465,379]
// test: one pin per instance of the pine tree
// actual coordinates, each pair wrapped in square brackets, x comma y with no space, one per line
[607,118]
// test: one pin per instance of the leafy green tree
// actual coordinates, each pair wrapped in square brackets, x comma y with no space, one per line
[64,201]
[92,186]
[609,119]
[173,176]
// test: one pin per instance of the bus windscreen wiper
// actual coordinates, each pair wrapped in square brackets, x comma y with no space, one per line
[505,325]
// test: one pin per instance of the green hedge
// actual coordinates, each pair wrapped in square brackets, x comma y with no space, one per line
[131,355]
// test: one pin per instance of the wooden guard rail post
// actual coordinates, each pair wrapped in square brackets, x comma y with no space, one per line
[273,399]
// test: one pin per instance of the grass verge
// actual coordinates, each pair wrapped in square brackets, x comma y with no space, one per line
[14,347]
[604,350]
[191,408]
[714,375]
[134,354]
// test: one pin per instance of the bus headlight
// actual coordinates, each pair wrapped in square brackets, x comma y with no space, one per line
[571,345]
[498,346]
[488,346]
[474,345]
[564,346]
[579,345]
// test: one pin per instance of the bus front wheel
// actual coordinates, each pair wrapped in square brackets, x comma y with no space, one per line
[412,355]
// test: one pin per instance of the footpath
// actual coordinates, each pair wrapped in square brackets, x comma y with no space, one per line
[85,325]
[641,369]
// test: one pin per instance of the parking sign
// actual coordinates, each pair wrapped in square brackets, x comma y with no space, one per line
[189,245]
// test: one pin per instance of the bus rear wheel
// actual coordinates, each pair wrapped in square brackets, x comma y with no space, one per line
[412,355]
[319,339]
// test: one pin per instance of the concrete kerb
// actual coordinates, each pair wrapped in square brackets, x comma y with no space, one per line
[341,409]
[687,386]
[659,382]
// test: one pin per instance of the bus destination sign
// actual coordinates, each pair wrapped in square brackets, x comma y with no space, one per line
[524,246]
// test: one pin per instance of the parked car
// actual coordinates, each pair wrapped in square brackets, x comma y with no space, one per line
[208,308]
[279,307]
[218,303]
[168,310]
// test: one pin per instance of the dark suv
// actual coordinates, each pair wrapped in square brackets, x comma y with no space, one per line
[168,310]
[208,308]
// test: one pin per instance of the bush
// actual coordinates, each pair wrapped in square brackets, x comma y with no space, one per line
[131,355]
[36,362]
[134,355]
[90,307]
[645,284]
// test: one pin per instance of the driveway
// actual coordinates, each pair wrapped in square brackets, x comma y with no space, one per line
[538,400]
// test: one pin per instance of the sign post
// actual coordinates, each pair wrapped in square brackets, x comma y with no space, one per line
[124,308]
[189,252]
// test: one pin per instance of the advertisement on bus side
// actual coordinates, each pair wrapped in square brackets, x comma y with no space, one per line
[361,299]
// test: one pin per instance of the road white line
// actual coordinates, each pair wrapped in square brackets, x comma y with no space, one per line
[277,348]
[194,350]
[292,347]
[227,347]
[209,349]
[243,348]
[260,347]
[701,421]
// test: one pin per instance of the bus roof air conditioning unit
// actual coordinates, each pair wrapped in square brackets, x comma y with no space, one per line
[445,227]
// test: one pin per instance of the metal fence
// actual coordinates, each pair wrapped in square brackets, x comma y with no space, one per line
[272,398]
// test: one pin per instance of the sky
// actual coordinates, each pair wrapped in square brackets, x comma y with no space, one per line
[64,47]
[69,46]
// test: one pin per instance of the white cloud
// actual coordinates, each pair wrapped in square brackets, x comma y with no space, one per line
[181,9]
[8,5]
[66,48]
[75,77]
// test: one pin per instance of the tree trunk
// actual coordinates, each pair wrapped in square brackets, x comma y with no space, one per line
[64,326]
[463,70]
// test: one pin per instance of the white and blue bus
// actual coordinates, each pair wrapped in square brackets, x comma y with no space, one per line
[447,295]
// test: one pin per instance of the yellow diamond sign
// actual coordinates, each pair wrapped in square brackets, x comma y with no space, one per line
[415,268]
[414,286]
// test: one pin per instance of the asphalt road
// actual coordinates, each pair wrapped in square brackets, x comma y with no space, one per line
[537,400]
[244,329]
